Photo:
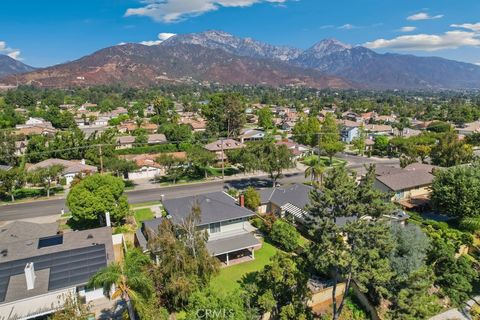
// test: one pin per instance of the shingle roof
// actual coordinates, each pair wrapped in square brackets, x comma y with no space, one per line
[228,144]
[297,194]
[214,207]
[406,180]
[233,243]
[69,166]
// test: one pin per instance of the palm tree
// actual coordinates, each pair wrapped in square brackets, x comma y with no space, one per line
[131,284]
[315,171]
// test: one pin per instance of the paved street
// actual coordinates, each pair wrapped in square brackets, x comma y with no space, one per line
[47,208]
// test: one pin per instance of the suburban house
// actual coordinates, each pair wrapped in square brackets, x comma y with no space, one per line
[196,123]
[410,186]
[35,126]
[230,236]
[127,142]
[379,129]
[130,126]
[350,133]
[284,202]
[148,168]
[468,128]
[70,168]
[298,150]
[251,135]
[41,267]
[220,146]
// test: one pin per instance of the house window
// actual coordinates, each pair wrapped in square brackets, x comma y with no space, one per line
[215,227]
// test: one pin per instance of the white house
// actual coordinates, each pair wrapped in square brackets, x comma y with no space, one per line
[70,168]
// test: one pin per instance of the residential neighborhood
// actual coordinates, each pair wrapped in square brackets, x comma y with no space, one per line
[240,160]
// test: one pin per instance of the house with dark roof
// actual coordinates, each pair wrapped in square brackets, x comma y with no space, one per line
[40,267]
[230,235]
[290,203]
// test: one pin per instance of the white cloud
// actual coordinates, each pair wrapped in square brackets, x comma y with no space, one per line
[408,29]
[169,11]
[477,63]
[423,16]
[428,42]
[469,26]
[162,36]
[12,53]
[347,26]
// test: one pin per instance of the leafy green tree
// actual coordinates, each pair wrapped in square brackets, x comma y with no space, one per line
[163,107]
[280,288]
[7,148]
[95,195]
[330,137]
[306,131]
[381,145]
[11,180]
[37,149]
[213,304]
[225,114]
[454,275]
[272,158]
[456,192]
[176,132]
[370,200]
[414,301]
[201,159]
[45,176]
[245,158]
[410,251]
[131,284]
[265,118]
[184,264]
[285,235]
[449,151]
[141,136]
[439,126]
[252,198]
[120,167]
[174,166]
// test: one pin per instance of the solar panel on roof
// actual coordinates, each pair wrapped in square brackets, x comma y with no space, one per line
[67,268]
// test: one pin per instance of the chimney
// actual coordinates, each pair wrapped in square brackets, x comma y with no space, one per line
[30,275]
[162,197]
[82,161]
[107,219]
[242,200]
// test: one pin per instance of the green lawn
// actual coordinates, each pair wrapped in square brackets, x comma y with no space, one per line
[228,278]
[325,160]
[143,214]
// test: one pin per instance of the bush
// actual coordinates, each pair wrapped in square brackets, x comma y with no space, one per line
[285,235]
[257,223]
[129,183]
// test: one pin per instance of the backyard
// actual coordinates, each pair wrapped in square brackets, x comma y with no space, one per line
[229,277]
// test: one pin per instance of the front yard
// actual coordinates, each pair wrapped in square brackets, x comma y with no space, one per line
[143,214]
[229,277]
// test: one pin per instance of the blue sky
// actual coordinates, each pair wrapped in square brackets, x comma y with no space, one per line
[43,33]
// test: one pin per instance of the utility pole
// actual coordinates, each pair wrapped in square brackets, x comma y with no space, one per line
[101,157]
[223,160]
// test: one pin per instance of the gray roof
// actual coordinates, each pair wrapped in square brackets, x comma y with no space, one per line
[406,180]
[233,243]
[22,230]
[381,170]
[297,194]
[157,138]
[214,207]
[125,139]
[69,262]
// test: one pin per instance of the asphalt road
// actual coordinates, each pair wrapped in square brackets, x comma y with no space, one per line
[44,208]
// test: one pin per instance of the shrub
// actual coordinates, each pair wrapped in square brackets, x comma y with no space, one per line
[285,235]
[257,223]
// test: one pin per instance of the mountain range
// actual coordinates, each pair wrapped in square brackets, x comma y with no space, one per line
[219,57]
[11,66]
